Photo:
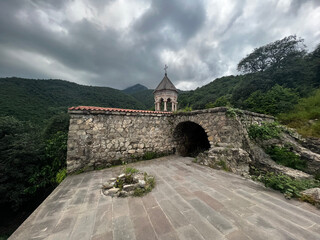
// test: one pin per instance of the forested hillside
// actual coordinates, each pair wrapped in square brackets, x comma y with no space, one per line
[141,94]
[37,100]
[135,88]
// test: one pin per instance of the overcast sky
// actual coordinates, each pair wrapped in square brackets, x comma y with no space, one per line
[119,43]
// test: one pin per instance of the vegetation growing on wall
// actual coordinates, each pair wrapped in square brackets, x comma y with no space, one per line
[285,157]
[264,131]
[288,186]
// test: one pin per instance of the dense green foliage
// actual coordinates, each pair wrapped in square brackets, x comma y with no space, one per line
[276,100]
[141,94]
[30,160]
[264,131]
[20,154]
[198,98]
[290,187]
[145,97]
[273,55]
[285,157]
[38,100]
[305,117]
[223,101]
[62,174]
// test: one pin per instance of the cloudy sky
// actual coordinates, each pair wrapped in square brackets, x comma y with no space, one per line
[119,43]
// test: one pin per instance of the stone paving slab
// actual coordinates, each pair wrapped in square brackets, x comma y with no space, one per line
[189,202]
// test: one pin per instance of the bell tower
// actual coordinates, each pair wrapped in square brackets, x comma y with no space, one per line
[166,95]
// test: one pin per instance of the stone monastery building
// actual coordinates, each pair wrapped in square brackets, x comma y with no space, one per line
[166,95]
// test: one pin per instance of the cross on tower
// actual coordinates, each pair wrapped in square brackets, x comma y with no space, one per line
[165,69]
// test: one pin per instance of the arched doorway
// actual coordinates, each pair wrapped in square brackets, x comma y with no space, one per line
[191,139]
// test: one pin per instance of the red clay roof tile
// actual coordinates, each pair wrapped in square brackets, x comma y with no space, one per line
[114,109]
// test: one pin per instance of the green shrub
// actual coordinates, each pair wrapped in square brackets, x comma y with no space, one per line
[209,105]
[264,131]
[290,187]
[149,155]
[152,155]
[186,109]
[224,165]
[129,170]
[283,156]
[231,113]
[119,183]
[150,184]
[62,173]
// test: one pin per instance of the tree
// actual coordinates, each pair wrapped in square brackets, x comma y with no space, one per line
[273,55]
[223,101]
[277,100]
[29,159]
[21,151]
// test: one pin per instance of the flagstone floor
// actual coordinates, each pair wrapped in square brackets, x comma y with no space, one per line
[189,202]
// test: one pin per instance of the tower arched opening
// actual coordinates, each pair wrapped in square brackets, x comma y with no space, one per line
[169,105]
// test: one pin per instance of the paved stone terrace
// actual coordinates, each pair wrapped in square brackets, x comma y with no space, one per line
[189,202]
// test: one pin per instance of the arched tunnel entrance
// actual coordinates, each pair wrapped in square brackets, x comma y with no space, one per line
[191,139]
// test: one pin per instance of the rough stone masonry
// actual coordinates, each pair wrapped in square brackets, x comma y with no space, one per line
[100,137]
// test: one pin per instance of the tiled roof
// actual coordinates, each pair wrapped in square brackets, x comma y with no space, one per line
[165,84]
[114,109]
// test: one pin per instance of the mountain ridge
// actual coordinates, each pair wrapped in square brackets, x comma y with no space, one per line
[135,88]
[35,100]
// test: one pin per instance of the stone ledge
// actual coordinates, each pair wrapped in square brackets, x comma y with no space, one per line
[223,109]
[86,110]
[101,112]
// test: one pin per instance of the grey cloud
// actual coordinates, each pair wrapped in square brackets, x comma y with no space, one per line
[107,56]
[184,18]
[295,5]
[48,4]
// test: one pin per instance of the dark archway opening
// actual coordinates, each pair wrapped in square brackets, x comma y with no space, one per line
[169,105]
[191,139]
[161,104]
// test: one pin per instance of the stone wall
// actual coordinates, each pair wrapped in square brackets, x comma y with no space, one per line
[222,127]
[227,133]
[98,138]
[104,137]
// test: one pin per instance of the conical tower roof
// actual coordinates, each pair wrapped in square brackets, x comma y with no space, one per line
[166,84]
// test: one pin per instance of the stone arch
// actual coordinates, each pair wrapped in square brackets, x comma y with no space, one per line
[190,138]
[169,104]
[161,104]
